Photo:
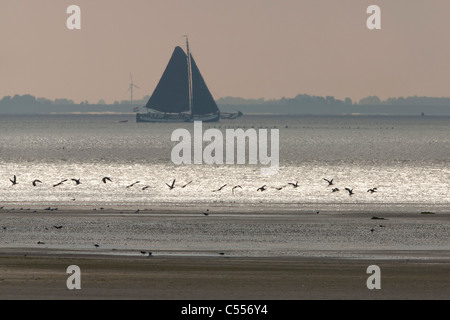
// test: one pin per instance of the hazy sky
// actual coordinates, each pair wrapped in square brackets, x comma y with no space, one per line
[244,48]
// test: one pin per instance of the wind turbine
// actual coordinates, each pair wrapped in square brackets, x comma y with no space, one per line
[132,85]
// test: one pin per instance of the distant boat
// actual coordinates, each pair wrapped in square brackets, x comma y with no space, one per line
[181,94]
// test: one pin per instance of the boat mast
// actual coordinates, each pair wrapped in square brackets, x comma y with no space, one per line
[189,76]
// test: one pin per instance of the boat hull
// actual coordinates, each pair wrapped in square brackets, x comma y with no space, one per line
[174,118]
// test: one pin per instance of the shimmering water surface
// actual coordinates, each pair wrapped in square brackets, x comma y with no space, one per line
[406,158]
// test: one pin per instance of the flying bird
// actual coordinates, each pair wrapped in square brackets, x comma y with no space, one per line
[295,185]
[350,191]
[171,186]
[236,187]
[36,181]
[57,227]
[263,188]
[59,183]
[330,182]
[106,179]
[372,190]
[335,189]
[77,181]
[186,184]
[145,188]
[206,213]
[14,181]
[220,188]
[133,184]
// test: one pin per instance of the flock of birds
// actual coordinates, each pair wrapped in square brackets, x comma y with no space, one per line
[172,185]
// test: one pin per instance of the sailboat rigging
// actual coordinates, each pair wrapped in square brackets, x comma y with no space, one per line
[181,94]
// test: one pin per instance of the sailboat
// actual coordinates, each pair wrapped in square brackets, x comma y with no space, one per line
[181,94]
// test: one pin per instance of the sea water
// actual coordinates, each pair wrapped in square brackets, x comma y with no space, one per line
[406,158]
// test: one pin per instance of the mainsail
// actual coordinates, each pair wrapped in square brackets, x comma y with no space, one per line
[171,95]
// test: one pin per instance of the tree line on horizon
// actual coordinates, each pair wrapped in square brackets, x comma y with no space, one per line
[300,99]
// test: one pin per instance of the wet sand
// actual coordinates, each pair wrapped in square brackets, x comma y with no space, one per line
[193,278]
[31,271]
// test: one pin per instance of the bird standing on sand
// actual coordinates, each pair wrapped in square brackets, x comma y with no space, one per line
[14,181]
[330,182]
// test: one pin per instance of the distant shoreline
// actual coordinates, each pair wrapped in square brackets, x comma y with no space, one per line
[300,105]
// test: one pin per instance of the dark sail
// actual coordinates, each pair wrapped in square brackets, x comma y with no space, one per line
[171,95]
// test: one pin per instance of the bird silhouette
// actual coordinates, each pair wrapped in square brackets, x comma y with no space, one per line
[171,186]
[184,186]
[77,181]
[134,183]
[206,213]
[350,191]
[330,182]
[14,180]
[295,185]
[263,188]
[106,179]
[236,187]
[96,245]
[220,188]
[335,190]
[372,190]
[60,183]
[35,182]
[57,227]
[145,188]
